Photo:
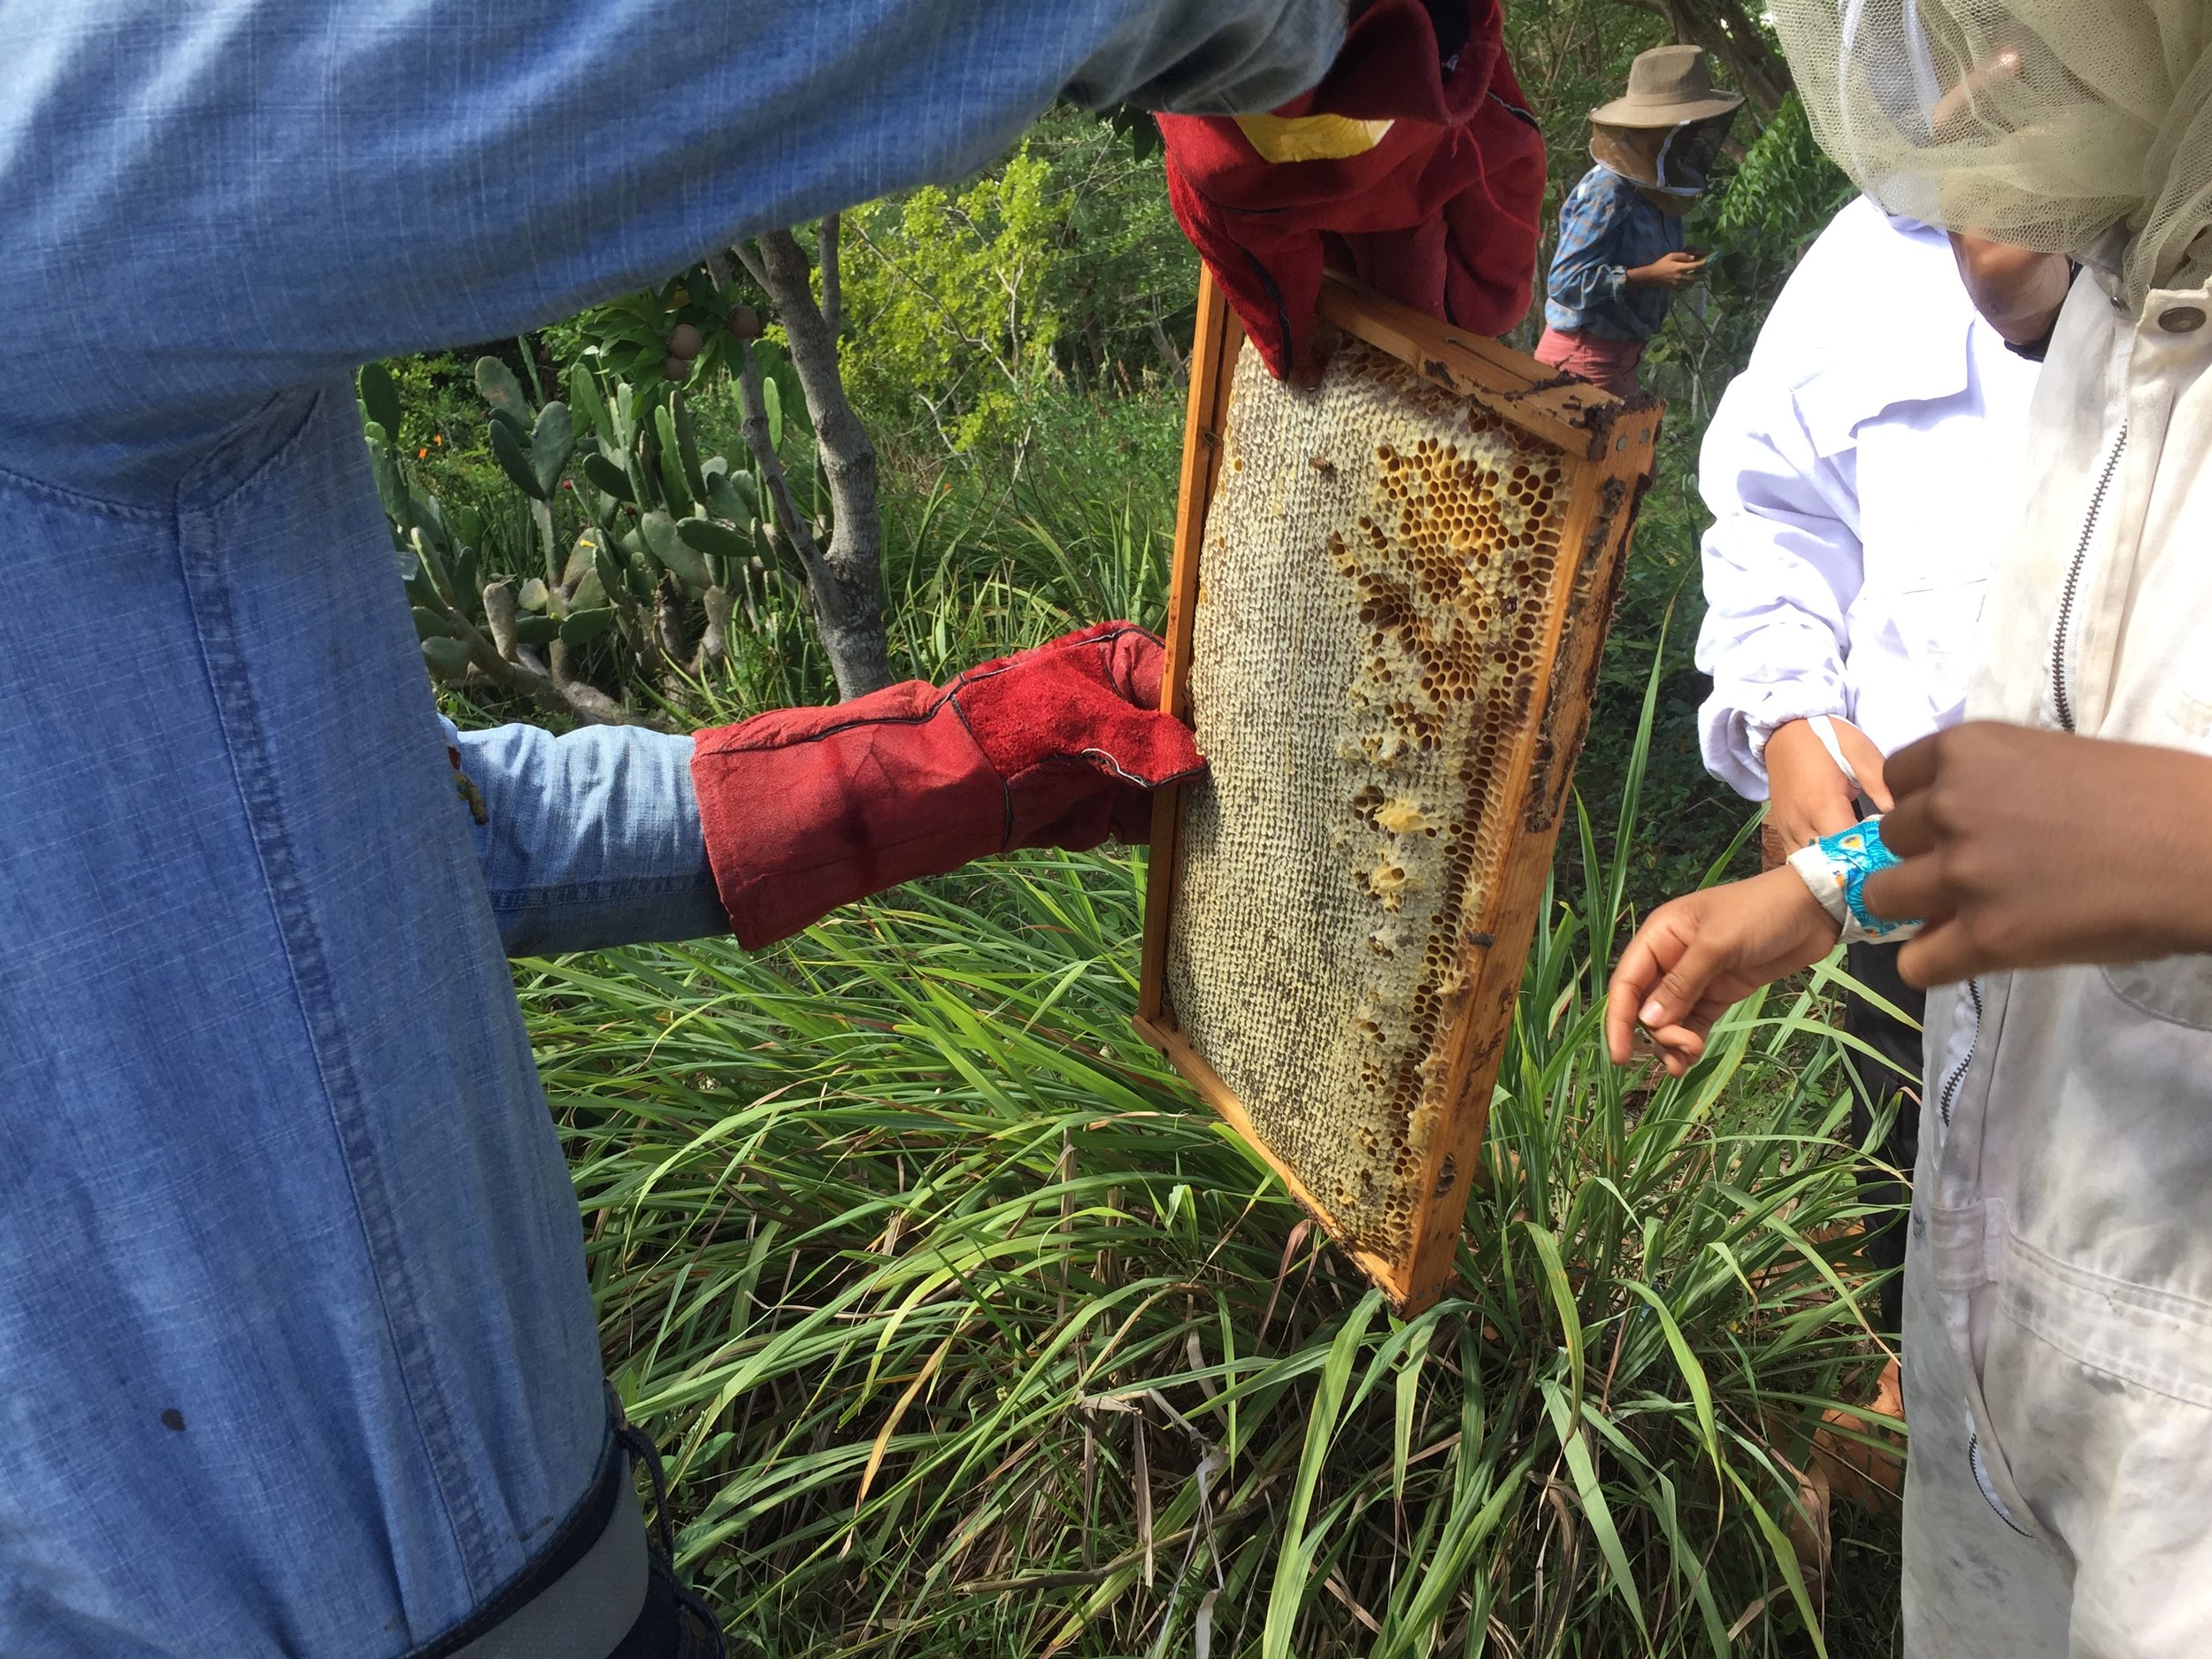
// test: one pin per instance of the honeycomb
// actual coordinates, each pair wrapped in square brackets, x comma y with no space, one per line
[1375,583]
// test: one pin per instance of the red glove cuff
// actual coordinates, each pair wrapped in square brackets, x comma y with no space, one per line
[804,809]
[803,805]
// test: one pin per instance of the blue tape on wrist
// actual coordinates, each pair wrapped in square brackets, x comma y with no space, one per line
[1859,852]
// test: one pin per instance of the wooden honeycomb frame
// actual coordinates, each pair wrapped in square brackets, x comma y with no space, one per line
[1604,445]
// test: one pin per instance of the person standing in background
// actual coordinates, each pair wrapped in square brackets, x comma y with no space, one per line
[1843,578]
[1620,257]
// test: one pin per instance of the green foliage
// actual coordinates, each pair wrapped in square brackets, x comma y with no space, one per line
[972,1331]
[944,297]
[630,550]
[1134,128]
[379,400]
[965,307]
[1775,203]
[970,572]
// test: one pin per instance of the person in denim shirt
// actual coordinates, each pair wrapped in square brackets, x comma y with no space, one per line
[1620,257]
[297,1356]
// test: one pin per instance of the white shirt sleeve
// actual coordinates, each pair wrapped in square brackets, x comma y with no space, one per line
[1782,565]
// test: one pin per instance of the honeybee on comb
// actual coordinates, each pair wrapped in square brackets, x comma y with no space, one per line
[1409,568]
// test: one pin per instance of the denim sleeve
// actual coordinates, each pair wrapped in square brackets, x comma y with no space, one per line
[212,203]
[1586,270]
[590,840]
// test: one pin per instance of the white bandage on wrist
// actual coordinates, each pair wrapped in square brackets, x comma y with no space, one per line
[1820,879]
[1835,868]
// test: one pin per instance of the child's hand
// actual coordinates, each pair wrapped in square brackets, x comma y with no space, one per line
[1700,954]
[1805,794]
[1669,270]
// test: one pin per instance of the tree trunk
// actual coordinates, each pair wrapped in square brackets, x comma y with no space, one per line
[846,580]
[1724,28]
[833,274]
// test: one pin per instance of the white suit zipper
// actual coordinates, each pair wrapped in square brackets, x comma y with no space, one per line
[2062,638]
[1947,1095]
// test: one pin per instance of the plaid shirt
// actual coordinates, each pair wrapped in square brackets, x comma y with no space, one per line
[1606,229]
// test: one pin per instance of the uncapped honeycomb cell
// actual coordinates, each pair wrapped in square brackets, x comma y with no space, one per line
[1379,565]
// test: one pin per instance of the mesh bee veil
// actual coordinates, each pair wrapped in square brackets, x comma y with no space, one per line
[2044,123]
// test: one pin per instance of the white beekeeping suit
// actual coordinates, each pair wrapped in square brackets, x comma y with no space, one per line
[2059,1295]
[1852,471]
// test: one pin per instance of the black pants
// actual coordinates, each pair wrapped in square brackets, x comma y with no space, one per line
[667,1629]
[582,1581]
[1875,1084]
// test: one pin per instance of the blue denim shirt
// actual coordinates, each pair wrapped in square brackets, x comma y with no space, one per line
[1607,228]
[297,1355]
[587,839]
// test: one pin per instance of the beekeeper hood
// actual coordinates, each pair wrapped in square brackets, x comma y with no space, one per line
[1664,131]
[2080,127]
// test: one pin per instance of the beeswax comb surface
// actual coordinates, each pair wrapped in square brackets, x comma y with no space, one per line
[1379,578]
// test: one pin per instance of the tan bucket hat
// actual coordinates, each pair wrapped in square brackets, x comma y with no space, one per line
[1668,86]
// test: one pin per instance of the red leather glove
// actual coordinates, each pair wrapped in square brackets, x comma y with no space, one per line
[1440,210]
[805,809]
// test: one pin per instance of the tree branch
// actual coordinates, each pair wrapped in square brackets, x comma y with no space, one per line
[668,618]
[1165,347]
[750,259]
[783,512]
[853,612]
[832,280]
[714,644]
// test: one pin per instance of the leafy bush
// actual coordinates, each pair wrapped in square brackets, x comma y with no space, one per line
[971,310]
[1777,201]
[952,317]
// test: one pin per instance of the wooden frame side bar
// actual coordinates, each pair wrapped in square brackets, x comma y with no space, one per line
[1213,357]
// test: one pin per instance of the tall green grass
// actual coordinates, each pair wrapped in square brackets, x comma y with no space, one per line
[968,576]
[969,1331]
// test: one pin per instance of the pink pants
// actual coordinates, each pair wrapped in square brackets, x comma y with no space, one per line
[1607,362]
